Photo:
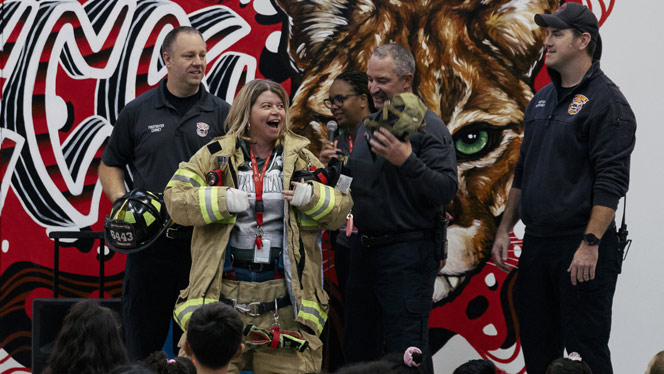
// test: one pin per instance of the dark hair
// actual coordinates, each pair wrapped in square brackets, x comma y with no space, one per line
[160,364]
[89,341]
[564,365]
[590,48]
[391,363]
[366,368]
[214,334]
[476,367]
[359,81]
[656,364]
[167,45]
[131,369]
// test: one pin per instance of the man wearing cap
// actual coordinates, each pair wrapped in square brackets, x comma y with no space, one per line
[152,135]
[572,171]
[399,187]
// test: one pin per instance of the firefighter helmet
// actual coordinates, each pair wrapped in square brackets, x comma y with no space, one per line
[402,116]
[137,219]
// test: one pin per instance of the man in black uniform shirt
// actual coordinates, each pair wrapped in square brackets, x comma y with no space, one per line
[572,171]
[398,189]
[153,134]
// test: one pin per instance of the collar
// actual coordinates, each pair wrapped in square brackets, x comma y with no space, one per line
[205,102]
[245,148]
[592,71]
[291,144]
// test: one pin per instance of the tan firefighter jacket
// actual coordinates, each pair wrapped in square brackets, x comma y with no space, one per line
[191,202]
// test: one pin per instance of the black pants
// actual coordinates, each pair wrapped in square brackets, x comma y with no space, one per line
[153,280]
[342,248]
[388,300]
[555,315]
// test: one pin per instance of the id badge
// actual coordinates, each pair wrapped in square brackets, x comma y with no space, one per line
[343,184]
[262,256]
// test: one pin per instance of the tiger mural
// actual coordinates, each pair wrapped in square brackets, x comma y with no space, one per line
[476,64]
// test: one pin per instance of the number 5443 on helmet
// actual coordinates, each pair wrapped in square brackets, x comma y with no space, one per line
[136,221]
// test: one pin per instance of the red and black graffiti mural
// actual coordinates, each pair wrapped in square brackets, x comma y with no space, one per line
[68,68]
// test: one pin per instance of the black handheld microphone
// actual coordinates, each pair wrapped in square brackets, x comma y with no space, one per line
[331,129]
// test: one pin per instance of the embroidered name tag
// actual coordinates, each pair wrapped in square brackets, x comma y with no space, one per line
[156,128]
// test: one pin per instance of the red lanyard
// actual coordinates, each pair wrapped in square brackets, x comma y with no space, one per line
[258,183]
[350,143]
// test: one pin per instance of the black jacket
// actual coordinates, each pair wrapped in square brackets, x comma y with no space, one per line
[575,154]
[390,199]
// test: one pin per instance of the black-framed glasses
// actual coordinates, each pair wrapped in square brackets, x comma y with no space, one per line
[337,100]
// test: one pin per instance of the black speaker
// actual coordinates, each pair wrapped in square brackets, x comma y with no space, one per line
[47,318]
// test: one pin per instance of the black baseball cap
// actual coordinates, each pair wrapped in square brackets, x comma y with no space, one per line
[571,16]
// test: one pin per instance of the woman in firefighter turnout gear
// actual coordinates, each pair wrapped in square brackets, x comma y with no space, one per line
[257,248]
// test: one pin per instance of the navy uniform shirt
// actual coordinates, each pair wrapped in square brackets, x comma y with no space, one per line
[391,199]
[152,139]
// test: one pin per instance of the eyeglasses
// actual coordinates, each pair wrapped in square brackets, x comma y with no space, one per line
[337,100]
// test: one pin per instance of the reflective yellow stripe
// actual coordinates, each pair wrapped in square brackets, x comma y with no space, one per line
[214,202]
[311,311]
[208,202]
[186,177]
[304,220]
[329,200]
[203,207]
[325,202]
[231,219]
[183,312]
[320,202]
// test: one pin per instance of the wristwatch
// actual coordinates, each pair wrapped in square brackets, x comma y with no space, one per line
[590,239]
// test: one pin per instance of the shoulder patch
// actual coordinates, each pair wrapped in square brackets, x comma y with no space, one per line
[214,147]
[577,103]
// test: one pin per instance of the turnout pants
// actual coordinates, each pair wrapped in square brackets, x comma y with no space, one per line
[153,280]
[388,300]
[266,359]
[553,314]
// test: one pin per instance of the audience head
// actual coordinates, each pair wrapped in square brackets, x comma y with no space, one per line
[131,369]
[214,335]
[568,365]
[161,364]
[392,363]
[89,341]
[476,367]
[656,365]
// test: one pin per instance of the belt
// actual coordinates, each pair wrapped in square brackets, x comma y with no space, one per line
[384,240]
[255,309]
[177,232]
[253,266]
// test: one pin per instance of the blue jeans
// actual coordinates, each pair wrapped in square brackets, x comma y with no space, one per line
[245,275]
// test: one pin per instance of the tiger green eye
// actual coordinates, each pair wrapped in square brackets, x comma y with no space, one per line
[472,142]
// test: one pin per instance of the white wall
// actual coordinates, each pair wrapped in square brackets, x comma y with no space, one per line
[632,57]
